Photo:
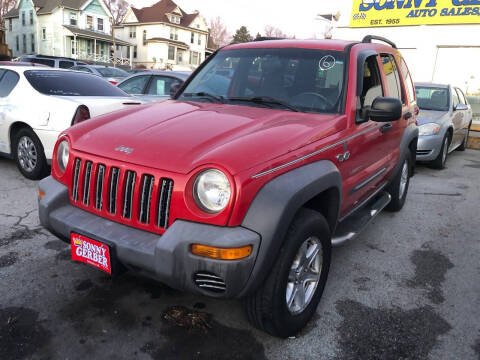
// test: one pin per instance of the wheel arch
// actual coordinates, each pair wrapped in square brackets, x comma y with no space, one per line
[317,186]
[14,129]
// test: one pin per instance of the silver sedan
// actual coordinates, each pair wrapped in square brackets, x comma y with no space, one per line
[444,122]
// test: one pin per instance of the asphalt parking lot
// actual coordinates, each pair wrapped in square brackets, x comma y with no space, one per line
[408,287]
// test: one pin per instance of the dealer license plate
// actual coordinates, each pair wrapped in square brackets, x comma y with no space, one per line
[91,252]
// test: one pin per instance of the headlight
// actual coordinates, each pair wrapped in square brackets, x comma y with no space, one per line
[212,190]
[428,129]
[63,153]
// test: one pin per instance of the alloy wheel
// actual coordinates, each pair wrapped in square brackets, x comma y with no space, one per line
[403,179]
[445,150]
[27,154]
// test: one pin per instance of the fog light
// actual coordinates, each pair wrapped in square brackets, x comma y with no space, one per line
[221,253]
[41,194]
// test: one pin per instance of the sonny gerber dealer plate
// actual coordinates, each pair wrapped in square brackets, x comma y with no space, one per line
[91,252]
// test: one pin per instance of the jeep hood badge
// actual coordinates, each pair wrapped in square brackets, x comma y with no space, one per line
[124,149]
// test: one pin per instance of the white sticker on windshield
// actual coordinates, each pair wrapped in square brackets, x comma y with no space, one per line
[326,62]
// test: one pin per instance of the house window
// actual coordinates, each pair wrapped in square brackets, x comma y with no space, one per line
[194,57]
[171,52]
[17,43]
[118,47]
[133,32]
[173,34]
[100,24]
[31,17]
[73,18]
[175,19]
[10,24]
[24,43]
[44,33]
[23,18]
[74,46]
[144,37]
[192,38]
[199,40]
[135,52]
[179,57]
[32,38]
[89,22]
[128,52]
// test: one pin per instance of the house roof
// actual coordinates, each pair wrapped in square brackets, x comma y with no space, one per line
[94,35]
[157,13]
[173,42]
[47,6]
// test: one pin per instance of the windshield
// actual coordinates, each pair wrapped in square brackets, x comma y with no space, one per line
[112,72]
[70,83]
[292,79]
[432,98]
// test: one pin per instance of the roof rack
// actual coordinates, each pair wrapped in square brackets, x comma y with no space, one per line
[266,38]
[369,38]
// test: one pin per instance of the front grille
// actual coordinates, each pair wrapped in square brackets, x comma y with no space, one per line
[209,281]
[423,152]
[124,195]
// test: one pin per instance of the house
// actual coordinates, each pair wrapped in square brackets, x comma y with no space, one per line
[80,29]
[164,36]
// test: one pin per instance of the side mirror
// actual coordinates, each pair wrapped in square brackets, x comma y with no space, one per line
[384,109]
[461,107]
[174,88]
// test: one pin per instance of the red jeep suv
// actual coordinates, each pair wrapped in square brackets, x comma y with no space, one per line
[269,154]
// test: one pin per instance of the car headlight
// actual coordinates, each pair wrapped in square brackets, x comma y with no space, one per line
[63,153]
[428,129]
[212,190]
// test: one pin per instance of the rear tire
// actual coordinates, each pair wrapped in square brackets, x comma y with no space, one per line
[398,188]
[28,153]
[267,309]
[440,161]
[463,146]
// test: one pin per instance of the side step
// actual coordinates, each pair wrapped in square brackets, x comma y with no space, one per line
[353,225]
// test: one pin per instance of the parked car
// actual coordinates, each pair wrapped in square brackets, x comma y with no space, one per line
[240,189]
[153,85]
[38,103]
[444,122]
[52,61]
[111,74]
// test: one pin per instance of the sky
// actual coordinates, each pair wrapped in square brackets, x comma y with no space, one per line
[292,17]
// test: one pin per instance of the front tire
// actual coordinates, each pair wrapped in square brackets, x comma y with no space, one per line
[439,162]
[289,297]
[398,188]
[28,154]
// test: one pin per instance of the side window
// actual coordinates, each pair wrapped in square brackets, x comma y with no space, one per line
[134,85]
[455,98]
[82,68]
[47,62]
[393,78]
[160,85]
[408,81]
[8,82]
[461,96]
[65,64]
[372,83]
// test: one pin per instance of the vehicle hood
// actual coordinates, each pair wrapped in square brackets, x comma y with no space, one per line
[431,116]
[99,105]
[180,136]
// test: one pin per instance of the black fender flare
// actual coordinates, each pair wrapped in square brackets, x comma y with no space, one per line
[275,206]
[410,134]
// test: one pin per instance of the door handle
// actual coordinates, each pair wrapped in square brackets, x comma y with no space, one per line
[386,128]
[407,115]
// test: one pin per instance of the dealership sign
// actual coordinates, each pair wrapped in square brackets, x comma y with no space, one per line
[368,13]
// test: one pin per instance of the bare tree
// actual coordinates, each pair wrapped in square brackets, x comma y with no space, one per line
[5,6]
[118,8]
[218,32]
[272,31]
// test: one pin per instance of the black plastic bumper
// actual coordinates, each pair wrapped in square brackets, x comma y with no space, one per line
[167,257]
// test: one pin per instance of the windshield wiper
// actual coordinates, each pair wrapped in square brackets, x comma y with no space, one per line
[265,100]
[206,95]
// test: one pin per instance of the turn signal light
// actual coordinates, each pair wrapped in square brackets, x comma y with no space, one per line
[221,253]
[41,194]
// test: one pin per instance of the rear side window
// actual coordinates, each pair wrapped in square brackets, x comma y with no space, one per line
[135,85]
[65,64]
[461,97]
[408,81]
[8,81]
[393,78]
[112,72]
[69,83]
[47,62]
[160,85]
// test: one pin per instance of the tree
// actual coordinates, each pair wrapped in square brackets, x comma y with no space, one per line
[218,32]
[118,8]
[258,36]
[242,35]
[271,31]
[5,6]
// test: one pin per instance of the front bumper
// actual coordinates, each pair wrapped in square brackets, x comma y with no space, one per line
[428,147]
[166,258]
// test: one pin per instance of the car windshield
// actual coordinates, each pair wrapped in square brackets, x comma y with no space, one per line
[70,83]
[432,98]
[303,80]
[112,72]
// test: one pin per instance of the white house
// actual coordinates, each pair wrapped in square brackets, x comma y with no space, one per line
[164,36]
[80,29]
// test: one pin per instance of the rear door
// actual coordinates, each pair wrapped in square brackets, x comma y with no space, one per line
[8,81]
[159,87]
[467,118]
[457,119]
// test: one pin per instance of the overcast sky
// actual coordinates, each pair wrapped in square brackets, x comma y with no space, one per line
[292,17]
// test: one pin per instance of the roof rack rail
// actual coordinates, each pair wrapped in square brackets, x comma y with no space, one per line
[369,38]
[266,38]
